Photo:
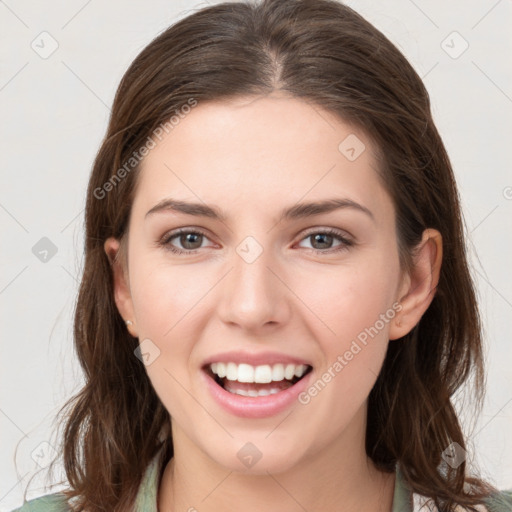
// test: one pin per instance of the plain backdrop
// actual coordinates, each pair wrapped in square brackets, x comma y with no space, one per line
[54,111]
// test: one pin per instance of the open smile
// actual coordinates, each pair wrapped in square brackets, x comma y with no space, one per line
[256,391]
[247,380]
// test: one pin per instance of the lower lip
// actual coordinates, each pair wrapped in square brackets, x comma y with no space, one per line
[256,407]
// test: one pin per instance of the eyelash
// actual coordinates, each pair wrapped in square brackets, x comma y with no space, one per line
[345,242]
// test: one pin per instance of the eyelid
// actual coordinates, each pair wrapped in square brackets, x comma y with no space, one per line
[345,238]
[179,231]
[316,229]
[332,231]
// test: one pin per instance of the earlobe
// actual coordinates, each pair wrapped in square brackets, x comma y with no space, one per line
[122,294]
[420,284]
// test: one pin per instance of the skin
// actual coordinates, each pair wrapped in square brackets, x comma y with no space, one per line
[252,157]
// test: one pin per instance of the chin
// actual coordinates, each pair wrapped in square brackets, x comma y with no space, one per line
[259,456]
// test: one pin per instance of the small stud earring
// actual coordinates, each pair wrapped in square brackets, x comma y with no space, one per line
[127,322]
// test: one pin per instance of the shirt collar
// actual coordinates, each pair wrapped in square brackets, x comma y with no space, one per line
[402,496]
[147,495]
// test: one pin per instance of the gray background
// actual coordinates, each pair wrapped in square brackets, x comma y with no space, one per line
[54,112]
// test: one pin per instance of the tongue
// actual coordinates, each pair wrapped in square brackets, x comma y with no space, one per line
[234,385]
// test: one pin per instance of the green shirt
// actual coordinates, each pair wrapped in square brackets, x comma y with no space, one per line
[403,499]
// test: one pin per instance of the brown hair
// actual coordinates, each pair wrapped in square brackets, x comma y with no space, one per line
[328,55]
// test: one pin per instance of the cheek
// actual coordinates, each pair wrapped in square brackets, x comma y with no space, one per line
[355,307]
[165,298]
[349,299]
[353,355]
[170,312]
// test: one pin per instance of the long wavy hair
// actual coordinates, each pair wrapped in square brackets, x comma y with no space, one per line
[326,54]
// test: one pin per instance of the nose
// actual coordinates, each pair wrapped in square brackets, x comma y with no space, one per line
[254,296]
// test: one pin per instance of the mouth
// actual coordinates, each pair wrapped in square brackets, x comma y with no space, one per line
[256,381]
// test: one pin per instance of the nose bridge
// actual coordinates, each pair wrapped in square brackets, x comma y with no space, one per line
[253,296]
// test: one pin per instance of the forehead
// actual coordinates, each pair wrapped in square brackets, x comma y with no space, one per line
[273,149]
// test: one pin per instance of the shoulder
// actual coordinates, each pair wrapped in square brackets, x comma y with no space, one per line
[50,503]
[500,502]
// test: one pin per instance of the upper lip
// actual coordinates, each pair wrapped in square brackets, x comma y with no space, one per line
[255,359]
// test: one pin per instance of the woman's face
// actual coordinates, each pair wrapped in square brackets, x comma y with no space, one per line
[286,265]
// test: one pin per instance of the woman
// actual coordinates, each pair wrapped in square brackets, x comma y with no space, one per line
[276,306]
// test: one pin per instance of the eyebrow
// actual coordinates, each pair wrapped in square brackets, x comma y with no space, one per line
[297,211]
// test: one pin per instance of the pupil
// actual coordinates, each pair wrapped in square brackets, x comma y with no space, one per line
[190,238]
[323,238]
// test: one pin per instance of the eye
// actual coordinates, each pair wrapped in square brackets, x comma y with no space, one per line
[190,241]
[326,240]
[322,240]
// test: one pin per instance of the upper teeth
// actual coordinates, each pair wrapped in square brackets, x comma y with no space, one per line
[259,374]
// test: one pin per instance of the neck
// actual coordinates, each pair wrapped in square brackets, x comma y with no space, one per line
[341,477]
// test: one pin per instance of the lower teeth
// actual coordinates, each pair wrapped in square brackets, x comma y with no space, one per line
[253,392]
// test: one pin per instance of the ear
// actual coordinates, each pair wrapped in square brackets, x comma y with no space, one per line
[419,285]
[122,293]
